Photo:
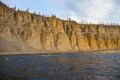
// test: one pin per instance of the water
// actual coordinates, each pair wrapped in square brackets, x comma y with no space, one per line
[60,67]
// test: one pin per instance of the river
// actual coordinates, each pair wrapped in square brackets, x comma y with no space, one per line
[72,66]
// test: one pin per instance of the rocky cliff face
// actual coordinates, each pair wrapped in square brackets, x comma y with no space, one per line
[27,32]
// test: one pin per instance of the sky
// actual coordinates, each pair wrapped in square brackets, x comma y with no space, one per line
[86,11]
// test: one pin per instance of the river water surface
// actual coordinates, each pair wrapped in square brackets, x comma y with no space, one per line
[73,66]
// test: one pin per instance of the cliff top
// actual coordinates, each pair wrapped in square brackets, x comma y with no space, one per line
[53,16]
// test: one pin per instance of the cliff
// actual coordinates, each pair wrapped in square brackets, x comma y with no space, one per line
[22,31]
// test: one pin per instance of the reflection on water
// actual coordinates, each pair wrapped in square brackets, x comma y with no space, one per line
[60,67]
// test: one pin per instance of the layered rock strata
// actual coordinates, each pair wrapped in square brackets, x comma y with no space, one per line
[26,32]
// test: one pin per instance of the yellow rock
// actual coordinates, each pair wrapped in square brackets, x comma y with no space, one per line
[93,43]
[18,17]
[86,43]
[53,20]
[101,44]
[83,43]
[59,24]
[24,30]
[48,40]
[34,40]
[110,44]
[74,41]
[6,33]
[63,42]
[119,42]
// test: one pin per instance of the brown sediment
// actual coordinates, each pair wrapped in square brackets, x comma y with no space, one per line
[25,32]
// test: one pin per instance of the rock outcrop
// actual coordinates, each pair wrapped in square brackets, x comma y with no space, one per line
[63,42]
[74,41]
[22,31]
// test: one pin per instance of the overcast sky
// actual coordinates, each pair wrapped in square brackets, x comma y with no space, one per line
[90,11]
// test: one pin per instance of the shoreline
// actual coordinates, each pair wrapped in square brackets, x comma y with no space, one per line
[50,52]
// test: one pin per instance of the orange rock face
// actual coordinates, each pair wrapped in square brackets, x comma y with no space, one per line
[29,32]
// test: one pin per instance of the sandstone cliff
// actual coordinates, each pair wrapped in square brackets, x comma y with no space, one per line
[22,31]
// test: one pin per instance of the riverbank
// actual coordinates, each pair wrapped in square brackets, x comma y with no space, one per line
[111,51]
[50,52]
